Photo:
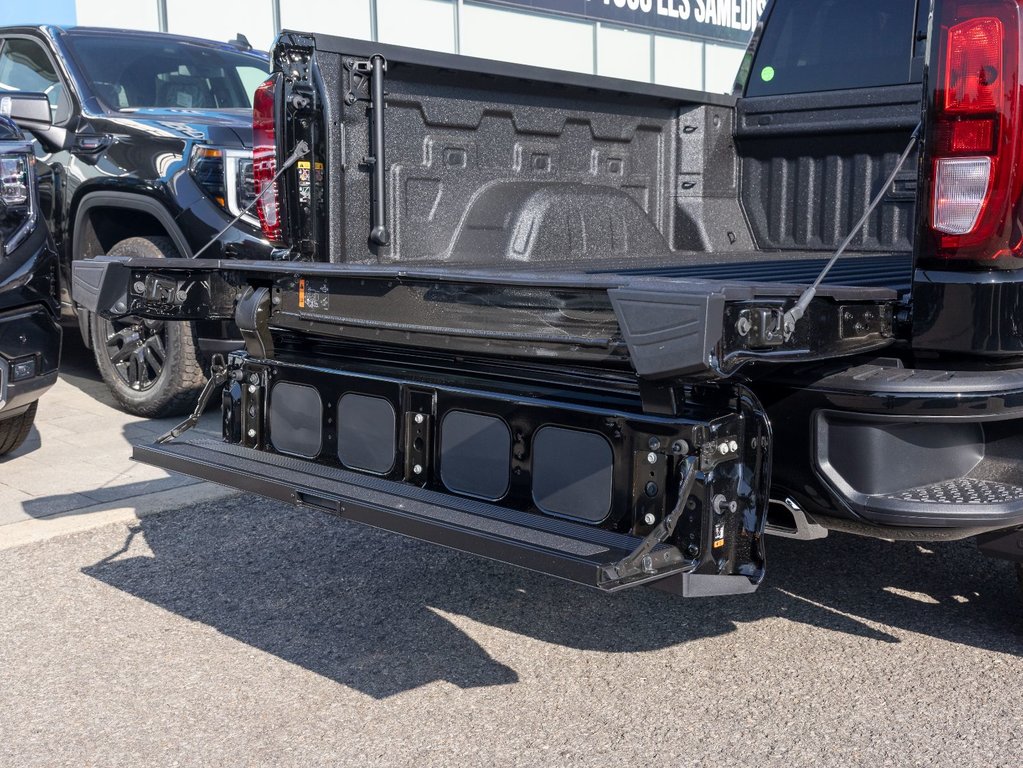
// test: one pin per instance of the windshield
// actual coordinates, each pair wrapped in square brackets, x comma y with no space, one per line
[147,72]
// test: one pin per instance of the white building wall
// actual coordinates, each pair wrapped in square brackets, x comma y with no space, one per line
[470,27]
[526,38]
[350,18]
[130,14]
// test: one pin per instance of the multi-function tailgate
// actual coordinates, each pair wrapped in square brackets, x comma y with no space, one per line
[660,327]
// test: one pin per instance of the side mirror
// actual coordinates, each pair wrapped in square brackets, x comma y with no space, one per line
[32,109]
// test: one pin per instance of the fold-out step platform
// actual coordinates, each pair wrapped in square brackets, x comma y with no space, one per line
[578,553]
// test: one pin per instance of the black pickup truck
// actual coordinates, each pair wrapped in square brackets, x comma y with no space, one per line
[145,150]
[30,334]
[616,332]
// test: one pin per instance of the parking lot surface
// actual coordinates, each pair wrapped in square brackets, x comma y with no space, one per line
[242,632]
[75,469]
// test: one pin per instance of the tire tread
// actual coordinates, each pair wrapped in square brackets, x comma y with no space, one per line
[15,430]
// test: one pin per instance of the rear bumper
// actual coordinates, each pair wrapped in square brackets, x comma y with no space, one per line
[972,313]
[939,451]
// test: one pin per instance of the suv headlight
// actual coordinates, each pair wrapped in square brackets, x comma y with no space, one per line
[17,198]
[226,176]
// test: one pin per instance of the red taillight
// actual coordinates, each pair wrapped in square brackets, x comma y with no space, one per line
[973,66]
[264,158]
[975,138]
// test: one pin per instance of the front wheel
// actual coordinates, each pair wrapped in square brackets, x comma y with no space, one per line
[152,368]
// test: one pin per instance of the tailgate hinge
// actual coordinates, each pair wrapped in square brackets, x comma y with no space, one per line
[644,561]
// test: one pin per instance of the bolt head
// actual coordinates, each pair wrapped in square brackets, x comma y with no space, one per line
[420,418]
[723,449]
[680,447]
[693,550]
[417,469]
[654,443]
[649,519]
[252,388]
[648,564]
[251,433]
[139,287]
[253,378]
[651,489]
[651,458]
[733,446]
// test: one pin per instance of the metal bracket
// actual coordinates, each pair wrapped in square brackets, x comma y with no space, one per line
[252,316]
[218,377]
[762,327]
[643,562]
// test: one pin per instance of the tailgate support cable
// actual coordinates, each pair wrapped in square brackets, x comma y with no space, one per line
[793,315]
[300,151]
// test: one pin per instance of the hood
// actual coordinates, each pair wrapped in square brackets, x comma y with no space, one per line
[223,127]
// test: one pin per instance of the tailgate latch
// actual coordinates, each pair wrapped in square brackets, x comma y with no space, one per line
[762,327]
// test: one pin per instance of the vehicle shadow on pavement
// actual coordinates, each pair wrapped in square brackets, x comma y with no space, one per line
[86,464]
[361,607]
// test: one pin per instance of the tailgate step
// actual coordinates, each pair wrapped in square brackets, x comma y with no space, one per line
[571,551]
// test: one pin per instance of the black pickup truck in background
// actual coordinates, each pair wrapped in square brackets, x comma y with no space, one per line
[615,332]
[30,334]
[145,151]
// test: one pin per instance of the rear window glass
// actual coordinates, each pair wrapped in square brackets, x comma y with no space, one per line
[827,45]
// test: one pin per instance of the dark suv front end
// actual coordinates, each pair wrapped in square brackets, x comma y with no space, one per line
[30,333]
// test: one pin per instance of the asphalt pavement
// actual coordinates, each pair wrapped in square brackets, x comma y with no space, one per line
[146,619]
[243,632]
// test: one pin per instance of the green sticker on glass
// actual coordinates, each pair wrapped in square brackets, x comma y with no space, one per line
[767,74]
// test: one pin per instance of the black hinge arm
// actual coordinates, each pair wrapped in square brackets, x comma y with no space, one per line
[640,562]
[218,377]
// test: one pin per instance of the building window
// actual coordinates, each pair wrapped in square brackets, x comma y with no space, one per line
[623,53]
[417,23]
[352,18]
[526,38]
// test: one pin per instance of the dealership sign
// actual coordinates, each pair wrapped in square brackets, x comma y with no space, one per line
[725,20]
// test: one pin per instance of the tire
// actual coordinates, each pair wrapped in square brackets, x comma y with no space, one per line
[14,431]
[153,369]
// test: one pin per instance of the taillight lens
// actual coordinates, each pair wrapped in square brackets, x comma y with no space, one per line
[973,68]
[975,141]
[264,158]
[960,190]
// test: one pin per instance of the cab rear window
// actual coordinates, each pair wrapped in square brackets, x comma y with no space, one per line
[828,45]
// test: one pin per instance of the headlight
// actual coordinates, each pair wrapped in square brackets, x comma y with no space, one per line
[14,180]
[17,206]
[226,176]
